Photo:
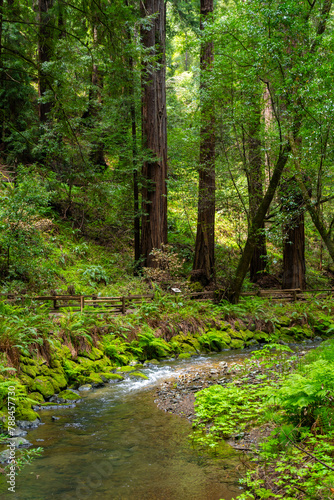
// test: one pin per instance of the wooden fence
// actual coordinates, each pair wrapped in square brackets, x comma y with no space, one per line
[94,303]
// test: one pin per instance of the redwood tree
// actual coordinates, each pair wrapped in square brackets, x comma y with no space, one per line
[204,260]
[154,132]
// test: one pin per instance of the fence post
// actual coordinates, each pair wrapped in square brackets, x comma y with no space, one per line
[123,305]
[82,303]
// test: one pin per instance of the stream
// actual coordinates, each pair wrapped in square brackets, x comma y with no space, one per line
[117,445]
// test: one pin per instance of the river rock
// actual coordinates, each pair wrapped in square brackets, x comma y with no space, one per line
[85,387]
[17,432]
[26,424]
[19,442]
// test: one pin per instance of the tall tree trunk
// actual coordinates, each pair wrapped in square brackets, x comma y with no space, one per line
[44,55]
[257,222]
[293,236]
[204,260]
[294,254]
[154,134]
[255,191]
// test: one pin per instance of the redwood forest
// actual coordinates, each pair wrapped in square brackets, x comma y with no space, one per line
[166,249]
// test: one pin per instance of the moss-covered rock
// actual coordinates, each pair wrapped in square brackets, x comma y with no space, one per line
[184,355]
[55,364]
[94,354]
[94,379]
[26,414]
[26,360]
[43,385]
[87,366]
[237,344]
[26,380]
[259,335]
[29,370]
[126,369]
[284,321]
[106,377]
[58,381]
[37,397]
[138,375]
[68,395]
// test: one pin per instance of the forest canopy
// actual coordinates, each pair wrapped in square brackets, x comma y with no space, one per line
[198,129]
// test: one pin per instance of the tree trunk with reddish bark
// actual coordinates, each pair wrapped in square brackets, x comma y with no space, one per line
[154,134]
[204,260]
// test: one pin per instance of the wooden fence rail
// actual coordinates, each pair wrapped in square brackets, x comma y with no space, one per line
[92,303]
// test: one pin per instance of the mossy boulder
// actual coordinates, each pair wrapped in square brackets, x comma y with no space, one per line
[43,385]
[153,361]
[68,395]
[37,397]
[259,335]
[94,379]
[45,370]
[26,414]
[58,381]
[94,354]
[26,360]
[284,321]
[55,363]
[26,380]
[102,364]
[29,370]
[138,375]
[184,355]
[126,369]
[106,377]
[237,344]
[86,364]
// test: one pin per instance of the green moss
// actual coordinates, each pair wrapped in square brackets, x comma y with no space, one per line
[36,396]
[126,369]
[44,386]
[110,376]
[138,375]
[86,364]
[45,370]
[69,395]
[29,370]
[26,361]
[184,355]
[237,344]
[26,380]
[58,381]
[258,335]
[55,364]
[284,321]
[94,379]
[64,352]
[93,355]
[26,414]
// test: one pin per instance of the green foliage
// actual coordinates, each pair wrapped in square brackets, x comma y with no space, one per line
[152,347]
[95,275]
[21,207]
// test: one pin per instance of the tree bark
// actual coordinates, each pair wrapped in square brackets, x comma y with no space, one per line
[204,259]
[257,223]
[154,134]
[255,192]
[293,236]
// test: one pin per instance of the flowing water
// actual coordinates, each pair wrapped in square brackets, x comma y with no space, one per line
[116,445]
